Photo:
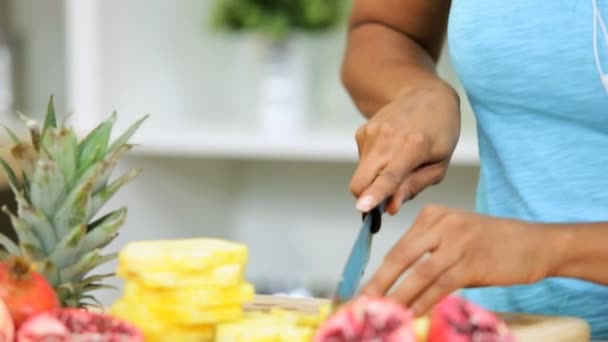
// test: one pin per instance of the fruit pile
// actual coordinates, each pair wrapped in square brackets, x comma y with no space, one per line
[30,311]
[380,319]
[180,290]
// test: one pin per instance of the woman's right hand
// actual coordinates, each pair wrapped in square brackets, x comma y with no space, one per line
[406,146]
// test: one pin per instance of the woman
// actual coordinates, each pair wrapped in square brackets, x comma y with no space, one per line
[538,241]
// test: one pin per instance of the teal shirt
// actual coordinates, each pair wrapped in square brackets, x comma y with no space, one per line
[542,118]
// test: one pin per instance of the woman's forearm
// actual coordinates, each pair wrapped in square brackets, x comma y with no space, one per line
[380,63]
[578,250]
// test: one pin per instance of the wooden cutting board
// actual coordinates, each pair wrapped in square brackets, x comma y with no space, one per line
[526,328]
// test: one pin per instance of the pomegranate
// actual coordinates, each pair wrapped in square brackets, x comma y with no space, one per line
[368,319]
[7,329]
[25,291]
[77,325]
[456,320]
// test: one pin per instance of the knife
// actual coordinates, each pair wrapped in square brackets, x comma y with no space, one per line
[359,257]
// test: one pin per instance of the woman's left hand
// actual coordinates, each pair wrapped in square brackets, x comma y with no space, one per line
[466,250]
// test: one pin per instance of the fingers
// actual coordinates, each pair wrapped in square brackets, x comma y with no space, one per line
[406,252]
[405,157]
[446,283]
[414,184]
[429,273]
[374,156]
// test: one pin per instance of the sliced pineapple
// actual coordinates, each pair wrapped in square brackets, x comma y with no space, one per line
[224,275]
[264,327]
[159,330]
[189,315]
[181,256]
[300,319]
[196,297]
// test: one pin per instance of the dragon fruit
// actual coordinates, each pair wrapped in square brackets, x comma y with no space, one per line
[368,319]
[456,320]
[77,325]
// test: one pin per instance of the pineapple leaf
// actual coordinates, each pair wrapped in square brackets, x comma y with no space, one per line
[94,172]
[95,287]
[65,293]
[27,156]
[50,272]
[75,271]
[124,138]
[11,134]
[9,245]
[24,232]
[94,146]
[88,262]
[26,186]
[94,278]
[104,230]
[31,251]
[48,186]
[68,248]
[38,222]
[101,197]
[50,120]
[96,302]
[12,178]
[62,146]
[74,210]
[100,169]
[34,128]
[112,160]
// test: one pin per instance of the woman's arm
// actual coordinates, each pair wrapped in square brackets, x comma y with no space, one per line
[392,45]
[414,117]
[578,250]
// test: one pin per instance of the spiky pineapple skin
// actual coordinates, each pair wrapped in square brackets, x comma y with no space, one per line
[62,185]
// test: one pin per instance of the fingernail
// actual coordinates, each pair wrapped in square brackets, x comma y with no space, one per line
[365,203]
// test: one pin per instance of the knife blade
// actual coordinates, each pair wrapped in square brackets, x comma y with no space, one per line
[359,257]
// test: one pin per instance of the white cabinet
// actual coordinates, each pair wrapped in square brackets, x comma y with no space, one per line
[208,169]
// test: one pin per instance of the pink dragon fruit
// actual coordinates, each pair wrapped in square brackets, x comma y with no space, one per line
[368,319]
[456,320]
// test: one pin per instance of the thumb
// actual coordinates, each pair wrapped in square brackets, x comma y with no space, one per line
[415,183]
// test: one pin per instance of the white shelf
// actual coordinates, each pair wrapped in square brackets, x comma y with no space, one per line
[234,144]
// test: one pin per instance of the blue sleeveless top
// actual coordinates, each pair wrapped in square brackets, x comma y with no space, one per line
[529,71]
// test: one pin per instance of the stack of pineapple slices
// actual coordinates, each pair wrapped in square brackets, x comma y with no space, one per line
[181,290]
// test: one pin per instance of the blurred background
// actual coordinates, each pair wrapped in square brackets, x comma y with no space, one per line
[251,134]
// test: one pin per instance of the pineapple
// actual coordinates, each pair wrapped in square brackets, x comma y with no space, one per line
[181,256]
[202,297]
[265,327]
[182,288]
[62,186]
[158,329]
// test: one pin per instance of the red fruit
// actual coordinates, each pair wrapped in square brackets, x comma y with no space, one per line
[368,319]
[25,291]
[77,325]
[7,329]
[457,320]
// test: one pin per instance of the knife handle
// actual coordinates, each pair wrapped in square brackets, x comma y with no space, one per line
[376,217]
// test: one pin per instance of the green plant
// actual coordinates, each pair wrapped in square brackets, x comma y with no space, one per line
[277,19]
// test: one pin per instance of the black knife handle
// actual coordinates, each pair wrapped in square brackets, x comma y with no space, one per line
[376,217]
